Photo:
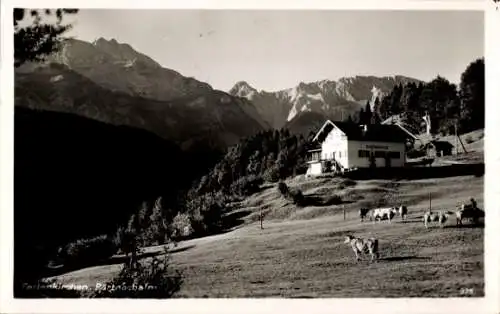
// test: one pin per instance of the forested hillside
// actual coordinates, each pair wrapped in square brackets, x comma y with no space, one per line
[78,178]
[445,102]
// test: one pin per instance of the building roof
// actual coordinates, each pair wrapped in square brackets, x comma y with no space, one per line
[396,120]
[374,132]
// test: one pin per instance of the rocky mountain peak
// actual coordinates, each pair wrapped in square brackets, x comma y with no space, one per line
[102,42]
[242,89]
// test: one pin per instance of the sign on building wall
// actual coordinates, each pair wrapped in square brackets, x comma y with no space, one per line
[376,147]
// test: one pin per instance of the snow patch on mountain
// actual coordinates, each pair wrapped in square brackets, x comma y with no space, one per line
[342,89]
[293,112]
[293,93]
[56,78]
[130,63]
[376,93]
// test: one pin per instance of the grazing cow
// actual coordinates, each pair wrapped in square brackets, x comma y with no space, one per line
[367,246]
[364,212]
[441,217]
[469,211]
[384,213]
[403,212]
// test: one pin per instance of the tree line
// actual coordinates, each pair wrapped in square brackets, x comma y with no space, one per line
[448,105]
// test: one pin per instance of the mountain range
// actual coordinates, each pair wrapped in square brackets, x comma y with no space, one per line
[333,99]
[111,82]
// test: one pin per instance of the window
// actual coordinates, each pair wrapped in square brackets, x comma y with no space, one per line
[395,155]
[340,154]
[379,154]
[363,153]
[333,154]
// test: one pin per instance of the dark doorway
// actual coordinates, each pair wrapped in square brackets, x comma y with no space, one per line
[373,164]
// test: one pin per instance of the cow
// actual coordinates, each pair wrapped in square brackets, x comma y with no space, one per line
[469,211]
[364,212]
[384,213]
[441,217]
[366,246]
[403,212]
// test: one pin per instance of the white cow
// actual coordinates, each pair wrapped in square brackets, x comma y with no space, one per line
[441,217]
[384,213]
[360,245]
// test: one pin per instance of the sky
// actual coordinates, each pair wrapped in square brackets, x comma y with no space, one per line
[276,49]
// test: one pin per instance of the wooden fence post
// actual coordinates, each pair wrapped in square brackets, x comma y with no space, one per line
[430,202]
[261,218]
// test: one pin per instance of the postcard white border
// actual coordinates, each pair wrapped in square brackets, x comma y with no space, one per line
[489,304]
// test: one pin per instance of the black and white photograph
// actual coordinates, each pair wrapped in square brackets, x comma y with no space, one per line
[194,153]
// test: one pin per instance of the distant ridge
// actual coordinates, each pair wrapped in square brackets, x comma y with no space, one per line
[111,82]
[330,98]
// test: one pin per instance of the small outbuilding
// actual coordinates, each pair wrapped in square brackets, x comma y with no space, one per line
[437,148]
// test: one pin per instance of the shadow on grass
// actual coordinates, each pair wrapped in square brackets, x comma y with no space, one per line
[113,260]
[234,219]
[318,200]
[465,226]
[336,234]
[403,258]
[265,187]
[181,249]
[407,221]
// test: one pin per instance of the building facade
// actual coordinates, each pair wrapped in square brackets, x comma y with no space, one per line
[345,146]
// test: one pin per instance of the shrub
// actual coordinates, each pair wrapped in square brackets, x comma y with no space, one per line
[247,185]
[295,196]
[298,198]
[327,165]
[155,280]
[206,212]
[118,239]
[154,229]
[283,189]
[334,200]
[181,226]
[271,174]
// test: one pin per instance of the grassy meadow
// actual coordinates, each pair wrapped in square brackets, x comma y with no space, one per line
[300,252]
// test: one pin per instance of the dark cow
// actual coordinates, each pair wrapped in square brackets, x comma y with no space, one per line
[469,211]
[364,212]
[403,212]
